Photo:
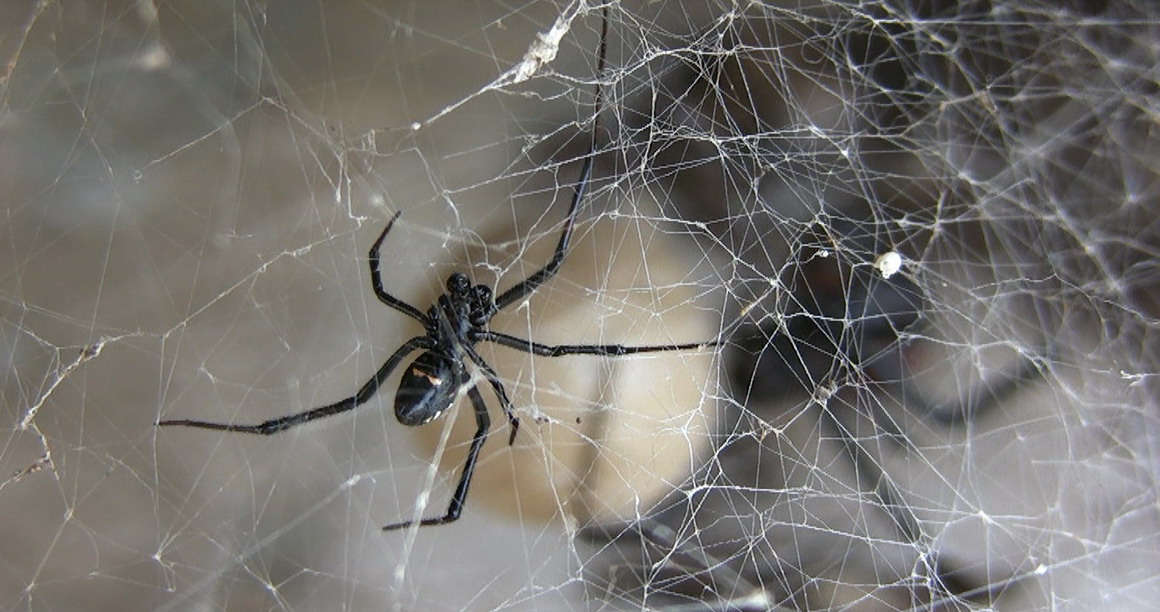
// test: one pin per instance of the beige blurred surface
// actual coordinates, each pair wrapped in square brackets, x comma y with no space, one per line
[188,190]
[602,438]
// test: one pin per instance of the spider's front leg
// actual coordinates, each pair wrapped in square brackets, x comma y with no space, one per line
[377,279]
[459,498]
[531,283]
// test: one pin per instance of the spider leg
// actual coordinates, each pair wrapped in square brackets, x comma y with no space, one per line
[535,280]
[493,378]
[274,426]
[459,498]
[377,280]
[547,350]
[548,271]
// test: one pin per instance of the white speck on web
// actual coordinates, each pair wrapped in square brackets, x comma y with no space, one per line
[888,263]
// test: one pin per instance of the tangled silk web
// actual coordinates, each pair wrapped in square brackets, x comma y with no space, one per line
[928,231]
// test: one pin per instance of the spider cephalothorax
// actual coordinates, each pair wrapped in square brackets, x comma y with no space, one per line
[429,385]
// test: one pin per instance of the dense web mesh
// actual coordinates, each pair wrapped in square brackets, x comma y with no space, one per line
[926,230]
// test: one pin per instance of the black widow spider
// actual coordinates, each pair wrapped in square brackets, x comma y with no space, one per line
[452,327]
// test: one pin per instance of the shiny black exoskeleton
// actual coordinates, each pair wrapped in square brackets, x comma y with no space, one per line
[429,385]
[452,327]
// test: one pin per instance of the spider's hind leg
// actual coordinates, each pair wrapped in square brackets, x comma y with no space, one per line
[500,392]
[459,498]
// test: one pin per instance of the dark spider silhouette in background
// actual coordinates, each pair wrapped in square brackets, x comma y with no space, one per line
[452,327]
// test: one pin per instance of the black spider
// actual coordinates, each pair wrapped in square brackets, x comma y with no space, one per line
[452,327]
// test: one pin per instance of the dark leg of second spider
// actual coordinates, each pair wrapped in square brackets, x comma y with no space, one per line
[948,585]
[649,555]
[675,535]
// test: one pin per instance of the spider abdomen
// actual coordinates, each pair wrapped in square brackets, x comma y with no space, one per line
[427,388]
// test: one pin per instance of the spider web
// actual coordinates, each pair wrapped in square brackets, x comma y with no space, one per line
[927,231]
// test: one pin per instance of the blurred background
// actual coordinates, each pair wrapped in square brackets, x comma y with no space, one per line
[926,230]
